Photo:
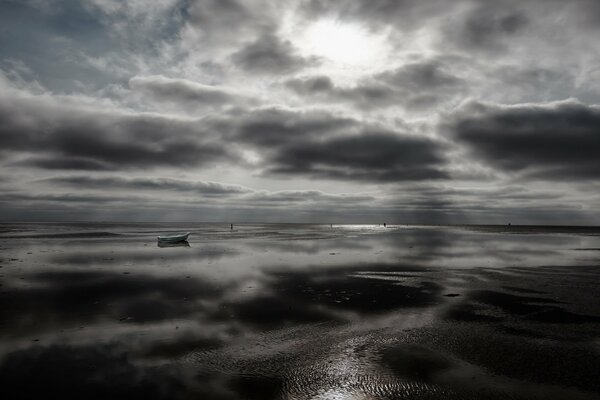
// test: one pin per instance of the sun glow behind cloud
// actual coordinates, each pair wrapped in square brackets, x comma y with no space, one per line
[343,44]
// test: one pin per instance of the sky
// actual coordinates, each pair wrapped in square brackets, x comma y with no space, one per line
[365,111]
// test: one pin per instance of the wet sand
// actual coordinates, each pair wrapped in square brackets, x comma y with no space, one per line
[100,311]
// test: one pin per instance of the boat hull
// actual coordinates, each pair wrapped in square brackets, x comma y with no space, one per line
[173,239]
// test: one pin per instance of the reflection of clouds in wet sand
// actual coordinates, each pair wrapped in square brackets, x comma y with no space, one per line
[289,297]
[110,255]
[405,313]
[94,372]
[327,375]
[61,300]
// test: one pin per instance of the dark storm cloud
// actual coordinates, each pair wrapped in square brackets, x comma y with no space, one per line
[274,127]
[553,141]
[183,92]
[322,145]
[368,156]
[51,130]
[416,86]
[270,54]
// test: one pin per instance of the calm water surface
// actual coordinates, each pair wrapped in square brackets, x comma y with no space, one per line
[274,311]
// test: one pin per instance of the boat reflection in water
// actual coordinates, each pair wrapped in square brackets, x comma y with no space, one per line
[184,243]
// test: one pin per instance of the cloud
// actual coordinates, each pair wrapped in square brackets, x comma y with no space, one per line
[213,19]
[322,145]
[273,127]
[70,194]
[51,127]
[533,83]
[270,54]
[211,90]
[66,199]
[312,85]
[169,189]
[421,75]
[183,92]
[378,14]
[416,86]
[368,156]
[290,197]
[66,163]
[365,95]
[486,27]
[553,141]
[161,184]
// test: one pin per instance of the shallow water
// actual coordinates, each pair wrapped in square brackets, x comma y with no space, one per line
[299,312]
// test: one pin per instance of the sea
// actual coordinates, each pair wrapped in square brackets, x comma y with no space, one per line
[101,310]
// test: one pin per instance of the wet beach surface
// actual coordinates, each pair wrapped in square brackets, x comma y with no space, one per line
[279,311]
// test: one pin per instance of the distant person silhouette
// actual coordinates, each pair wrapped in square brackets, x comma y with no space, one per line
[384,225]
[231,226]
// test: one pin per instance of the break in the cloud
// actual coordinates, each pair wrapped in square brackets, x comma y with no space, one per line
[300,110]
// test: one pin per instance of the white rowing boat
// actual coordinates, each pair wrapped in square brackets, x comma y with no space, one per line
[173,238]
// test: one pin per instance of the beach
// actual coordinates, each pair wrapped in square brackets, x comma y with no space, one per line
[299,311]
